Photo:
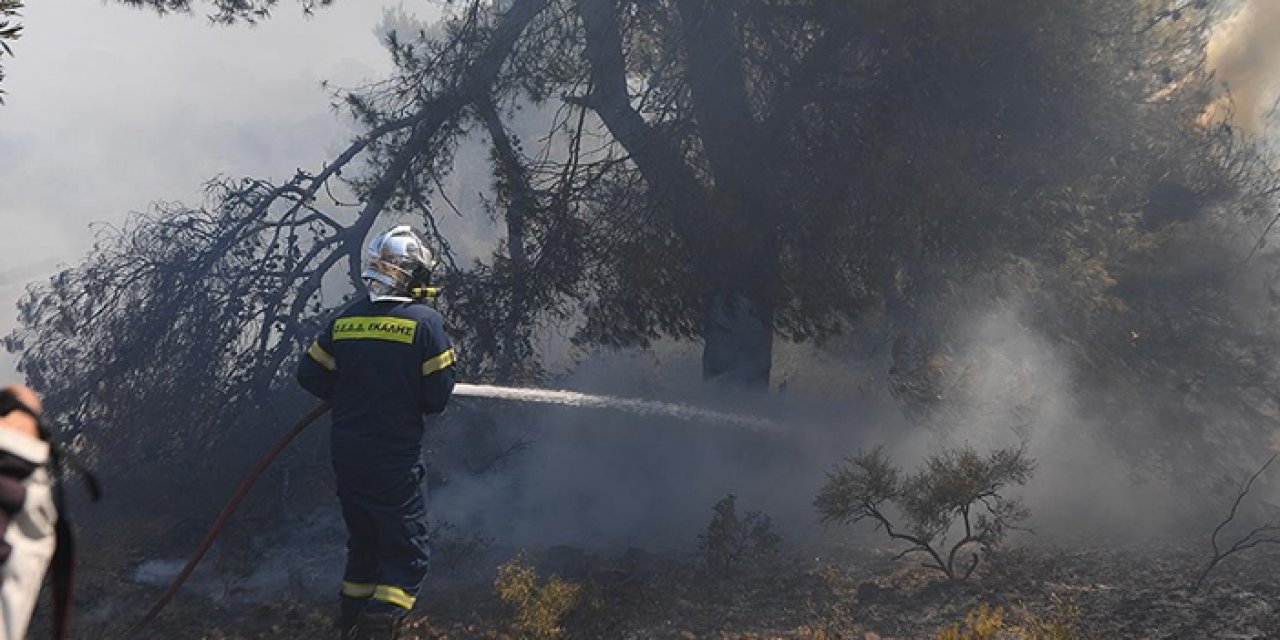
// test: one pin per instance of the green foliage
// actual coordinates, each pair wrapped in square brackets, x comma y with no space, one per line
[955,488]
[224,11]
[857,489]
[954,482]
[540,609]
[209,306]
[10,30]
[731,541]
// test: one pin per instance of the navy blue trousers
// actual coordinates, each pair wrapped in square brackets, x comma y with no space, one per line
[387,543]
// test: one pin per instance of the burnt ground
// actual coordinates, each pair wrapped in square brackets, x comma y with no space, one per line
[1130,590]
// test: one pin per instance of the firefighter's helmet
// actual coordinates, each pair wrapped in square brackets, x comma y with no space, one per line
[399,265]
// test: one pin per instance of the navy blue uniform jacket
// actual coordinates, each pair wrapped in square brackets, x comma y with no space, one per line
[382,365]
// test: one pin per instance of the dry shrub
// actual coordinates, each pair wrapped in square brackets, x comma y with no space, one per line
[989,623]
[836,617]
[983,623]
[540,609]
[1063,623]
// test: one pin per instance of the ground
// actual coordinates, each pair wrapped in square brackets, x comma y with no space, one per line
[1134,589]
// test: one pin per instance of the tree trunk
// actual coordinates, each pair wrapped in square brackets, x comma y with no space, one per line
[737,339]
[738,327]
[727,228]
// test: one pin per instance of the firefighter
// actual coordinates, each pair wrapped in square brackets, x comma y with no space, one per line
[383,363]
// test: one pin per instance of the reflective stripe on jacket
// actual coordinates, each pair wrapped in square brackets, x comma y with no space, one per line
[382,365]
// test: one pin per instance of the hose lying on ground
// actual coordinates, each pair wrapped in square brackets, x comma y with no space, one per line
[223,517]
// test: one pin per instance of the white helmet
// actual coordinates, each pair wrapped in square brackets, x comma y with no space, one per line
[399,266]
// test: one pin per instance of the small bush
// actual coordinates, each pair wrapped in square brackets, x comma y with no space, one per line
[989,623]
[983,623]
[1062,624]
[540,609]
[956,488]
[731,540]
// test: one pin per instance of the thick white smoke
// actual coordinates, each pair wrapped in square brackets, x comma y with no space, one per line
[1244,52]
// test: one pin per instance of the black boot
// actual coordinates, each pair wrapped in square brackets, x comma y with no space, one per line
[378,626]
[349,610]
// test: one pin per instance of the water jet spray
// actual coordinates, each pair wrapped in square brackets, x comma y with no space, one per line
[518,394]
[630,405]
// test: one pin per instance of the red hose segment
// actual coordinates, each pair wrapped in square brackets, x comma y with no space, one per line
[223,517]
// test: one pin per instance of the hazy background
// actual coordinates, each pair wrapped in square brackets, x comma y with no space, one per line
[1245,53]
[110,108]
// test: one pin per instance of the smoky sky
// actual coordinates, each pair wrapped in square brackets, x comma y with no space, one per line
[1245,54]
[111,108]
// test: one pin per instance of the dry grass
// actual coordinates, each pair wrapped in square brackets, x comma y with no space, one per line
[990,623]
[540,609]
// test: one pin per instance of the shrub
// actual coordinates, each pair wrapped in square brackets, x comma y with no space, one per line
[983,623]
[1062,624]
[730,540]
[957,487]
[989,623]
[540,609]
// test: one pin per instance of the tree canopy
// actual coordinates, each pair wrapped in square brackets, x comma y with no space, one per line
[223,11]
[734,172]
[10,30]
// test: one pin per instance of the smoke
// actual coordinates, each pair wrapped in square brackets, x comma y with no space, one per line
[605,479]
[1016,388]
[602,478]
[595,476]
[1245,53]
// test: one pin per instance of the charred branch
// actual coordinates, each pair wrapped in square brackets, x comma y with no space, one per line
[1267,533]
[514,180]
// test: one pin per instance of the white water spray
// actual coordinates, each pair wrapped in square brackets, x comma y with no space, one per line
[632,405]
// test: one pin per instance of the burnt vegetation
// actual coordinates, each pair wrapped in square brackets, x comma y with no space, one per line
[736,174]
[1264,532]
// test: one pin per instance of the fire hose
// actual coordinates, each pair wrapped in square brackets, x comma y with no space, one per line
[227,511]
[541,396]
